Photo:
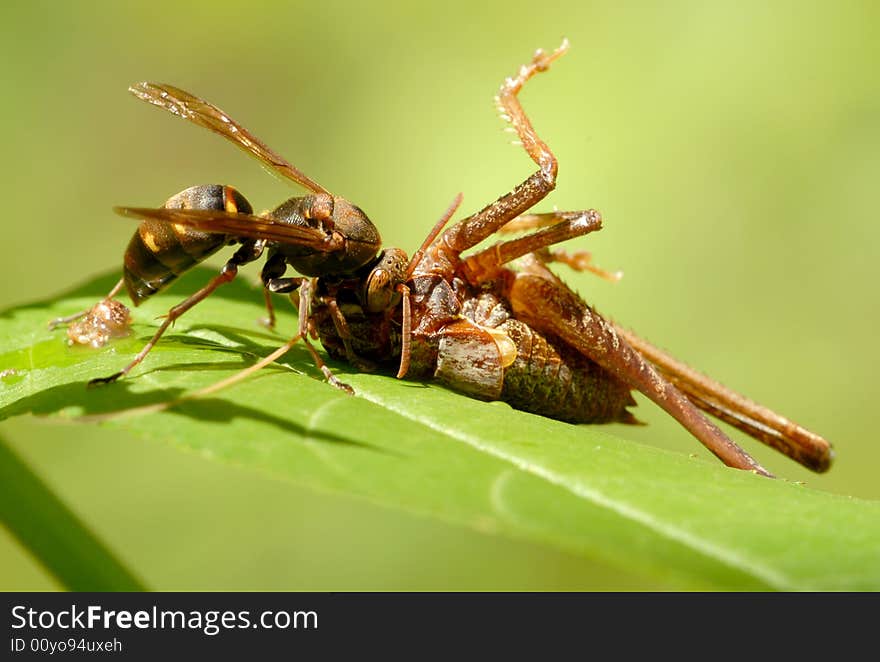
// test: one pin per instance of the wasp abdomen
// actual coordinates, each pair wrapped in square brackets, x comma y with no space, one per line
[160,252]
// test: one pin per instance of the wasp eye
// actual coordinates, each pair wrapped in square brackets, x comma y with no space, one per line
[379,291]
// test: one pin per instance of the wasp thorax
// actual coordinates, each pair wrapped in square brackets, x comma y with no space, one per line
[341,221]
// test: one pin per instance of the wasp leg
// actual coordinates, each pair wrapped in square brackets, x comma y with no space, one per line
[477,227]
[342,330]
[273,269]
[288,285]
[304,306]
[202,392]
[269,320]
[544,302]
[248,252]
[332,379]
[67,320]
[306,288]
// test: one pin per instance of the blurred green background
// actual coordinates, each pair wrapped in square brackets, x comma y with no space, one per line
[733,148]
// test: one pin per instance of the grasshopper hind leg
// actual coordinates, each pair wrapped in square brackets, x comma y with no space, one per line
[544,302]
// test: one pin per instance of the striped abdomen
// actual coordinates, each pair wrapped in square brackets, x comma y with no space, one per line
[160,252]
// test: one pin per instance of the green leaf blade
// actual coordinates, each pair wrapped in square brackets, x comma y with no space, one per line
[427,450]
[55,535]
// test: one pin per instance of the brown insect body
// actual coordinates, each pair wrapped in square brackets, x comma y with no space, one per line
[481,350]
[494,324]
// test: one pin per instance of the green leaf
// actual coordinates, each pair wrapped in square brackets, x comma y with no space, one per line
[427,450]
[55,535]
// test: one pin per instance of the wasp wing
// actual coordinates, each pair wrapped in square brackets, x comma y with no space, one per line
[205,114]
[238,225]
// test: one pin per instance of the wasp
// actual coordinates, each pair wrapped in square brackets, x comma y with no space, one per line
[495,324]
[318,235]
